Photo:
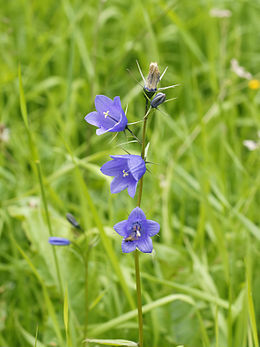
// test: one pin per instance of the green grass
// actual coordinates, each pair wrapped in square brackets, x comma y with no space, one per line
[201,287]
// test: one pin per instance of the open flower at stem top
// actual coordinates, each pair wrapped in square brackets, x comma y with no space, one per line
[137,232]
[109,115]
[127,169]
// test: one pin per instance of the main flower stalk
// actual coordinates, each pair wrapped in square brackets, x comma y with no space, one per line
[137,267]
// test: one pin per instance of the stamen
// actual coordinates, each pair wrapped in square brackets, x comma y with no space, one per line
[106,114]
[125,173]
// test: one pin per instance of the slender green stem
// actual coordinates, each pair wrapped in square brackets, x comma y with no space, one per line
[86,293]
[139,298]
[38,166]
[137,268]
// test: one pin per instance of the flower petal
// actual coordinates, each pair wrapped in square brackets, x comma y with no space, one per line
[136,215]
[103,103]
[136,166]
[114,167]
[101,131]
[93,118]
[121,228]
[117,102]
[152,227]
[118,184]
[132,188]
[145,245]
[128,246]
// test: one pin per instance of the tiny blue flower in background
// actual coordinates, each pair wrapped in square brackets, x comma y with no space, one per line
[137,232]
[58,241]
[127,169]
[109,117]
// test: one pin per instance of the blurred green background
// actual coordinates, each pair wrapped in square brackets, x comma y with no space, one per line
[201,285]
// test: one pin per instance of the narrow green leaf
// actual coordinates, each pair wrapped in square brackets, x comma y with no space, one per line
[113,342]
[101,328]
[66,310]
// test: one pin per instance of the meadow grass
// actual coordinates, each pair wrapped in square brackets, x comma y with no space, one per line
[201,286]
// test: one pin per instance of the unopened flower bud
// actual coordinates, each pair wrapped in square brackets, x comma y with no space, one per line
[152,79]
[58,241]
[158,100]
[71,219]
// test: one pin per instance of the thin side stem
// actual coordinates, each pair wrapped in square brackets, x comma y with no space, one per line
[38,166]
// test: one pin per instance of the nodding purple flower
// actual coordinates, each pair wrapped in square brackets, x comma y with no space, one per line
[109,117]
[137,232]
[58,241]
[127,169]
[158,100]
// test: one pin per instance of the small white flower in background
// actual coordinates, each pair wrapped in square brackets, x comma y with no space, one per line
[4,133]
[252,145]
[240,70]
[220,13]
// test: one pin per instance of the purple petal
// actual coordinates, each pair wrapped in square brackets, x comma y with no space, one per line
[123,156]
[118,184]
[121,228]
[93,118]
[145,245]
[114,167]
[132,188]
[136,215]
[103,103]
[101,131]
[128,246]
[152,227]
[136,166]
[117,102]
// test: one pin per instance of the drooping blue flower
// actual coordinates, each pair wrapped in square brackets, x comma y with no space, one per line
[137,232]
[127,169]
[58,241]
[109,117]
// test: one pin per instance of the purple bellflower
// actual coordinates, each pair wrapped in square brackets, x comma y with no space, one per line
[58,241]
[109,117]
[127,169]
[137,232]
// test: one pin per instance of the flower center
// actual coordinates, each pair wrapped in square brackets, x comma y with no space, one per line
[135,232]
[106,114]
[125,173]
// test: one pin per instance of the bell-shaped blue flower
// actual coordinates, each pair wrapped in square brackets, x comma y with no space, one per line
[58,241]
[109,117]
[127,169]
[137,232]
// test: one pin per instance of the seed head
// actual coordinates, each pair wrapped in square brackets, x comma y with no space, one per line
[152,80]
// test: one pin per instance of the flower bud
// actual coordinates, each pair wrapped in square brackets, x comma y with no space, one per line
[152,79]
[158,100]
[58,241]
[71,219]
